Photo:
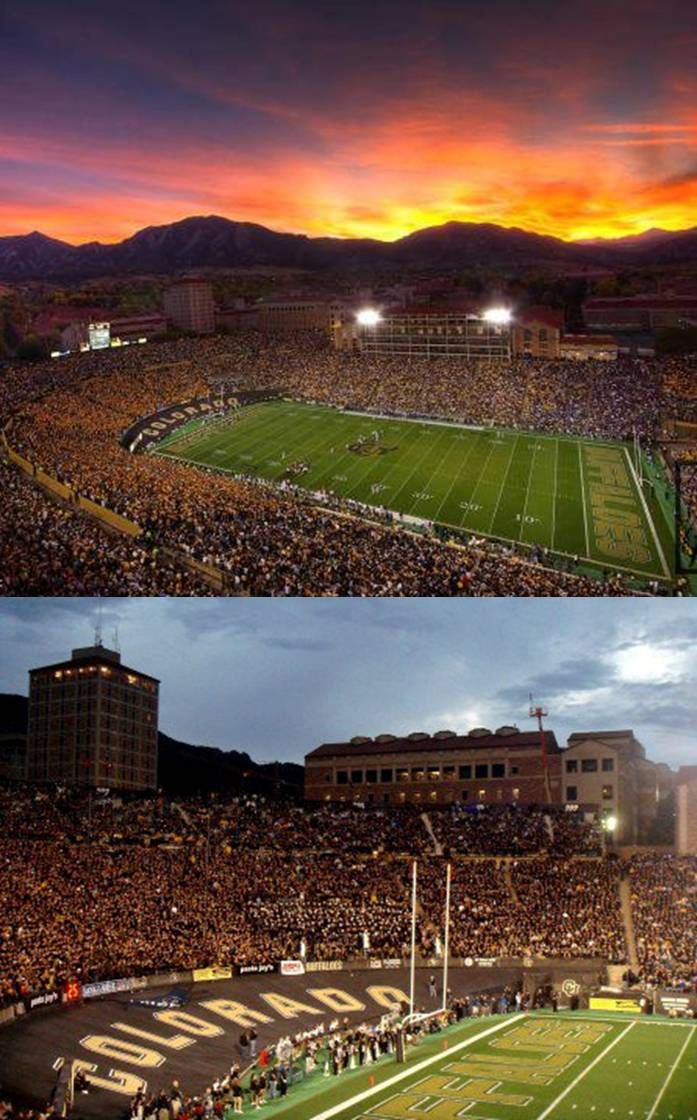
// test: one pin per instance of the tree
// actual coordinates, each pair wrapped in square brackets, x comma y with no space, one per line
[32,349]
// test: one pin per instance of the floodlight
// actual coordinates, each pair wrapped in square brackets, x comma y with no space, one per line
[368,317]
[498,315]
[610,823]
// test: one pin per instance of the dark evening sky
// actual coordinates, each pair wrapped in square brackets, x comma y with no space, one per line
[356,119]
[277,677]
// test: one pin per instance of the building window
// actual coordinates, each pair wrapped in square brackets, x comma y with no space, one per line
[516,794]
[402,774]
[386,776]
[589,765]
[342,777]
[448,773]
[498,770]
[608,793]
[482,795]
[572,793]
[464,795]
[572,766]
[481,770]
[417,773]
[465,772]
[515,770]
[356,777]
[608,765]
[371,776]
[433,774]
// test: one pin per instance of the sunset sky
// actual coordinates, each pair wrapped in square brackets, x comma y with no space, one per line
[571,117]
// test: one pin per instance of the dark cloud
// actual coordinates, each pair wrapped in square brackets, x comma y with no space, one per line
[277,677]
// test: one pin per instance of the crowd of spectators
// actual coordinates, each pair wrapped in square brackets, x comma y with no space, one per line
[664,909]
[107,890]
[68,417]
[510,830]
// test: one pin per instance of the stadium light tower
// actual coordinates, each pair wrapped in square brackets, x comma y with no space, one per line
[539,713]
[498,316]
[368,317]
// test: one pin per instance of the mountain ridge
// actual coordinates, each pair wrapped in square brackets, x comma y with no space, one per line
[211,241]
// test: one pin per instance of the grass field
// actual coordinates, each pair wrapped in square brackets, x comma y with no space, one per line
[527,1067]
[576,497]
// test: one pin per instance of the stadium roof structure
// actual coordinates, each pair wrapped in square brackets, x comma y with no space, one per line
[480,739]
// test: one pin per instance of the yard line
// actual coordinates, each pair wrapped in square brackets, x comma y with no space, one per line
[527,495]
[456,479]
[583,498]
[554,491]
[672,1070]
[502,488]
[550,1108]
[649,518]
[337,1109]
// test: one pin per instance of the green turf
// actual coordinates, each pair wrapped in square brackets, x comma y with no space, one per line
[575,497]
[527,1067]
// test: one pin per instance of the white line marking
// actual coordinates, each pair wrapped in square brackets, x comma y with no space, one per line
[337,1109]
[649,518]
[550,1108]
[672,1070]
[583,498]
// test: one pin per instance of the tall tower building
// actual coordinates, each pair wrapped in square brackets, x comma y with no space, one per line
[93,721]
[189,305]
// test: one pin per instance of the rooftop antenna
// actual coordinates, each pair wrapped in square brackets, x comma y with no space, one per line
[538,713]
[98,628]
[117,644]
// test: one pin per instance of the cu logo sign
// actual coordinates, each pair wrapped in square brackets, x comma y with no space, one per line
[571,987]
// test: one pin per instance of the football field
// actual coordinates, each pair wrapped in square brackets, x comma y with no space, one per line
[527,1067]
[575,497]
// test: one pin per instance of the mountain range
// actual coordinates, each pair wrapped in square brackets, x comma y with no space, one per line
[183,768]
[215,242]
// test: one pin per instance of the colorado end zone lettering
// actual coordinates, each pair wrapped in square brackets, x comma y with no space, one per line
[534,1055]
[150,1049]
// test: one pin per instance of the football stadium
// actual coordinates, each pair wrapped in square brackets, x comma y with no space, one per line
[277,464]
[170,958]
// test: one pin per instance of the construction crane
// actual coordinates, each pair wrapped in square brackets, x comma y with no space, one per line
[539,713]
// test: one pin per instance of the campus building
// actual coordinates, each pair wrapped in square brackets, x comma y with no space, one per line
[608,772]
[93,721]
[600,773]
[505,766]
[189,306]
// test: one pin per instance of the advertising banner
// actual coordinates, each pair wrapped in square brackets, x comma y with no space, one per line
[324,966]
[676,1003]
[215,972]
[615,1003]
[292,968]
[253,969]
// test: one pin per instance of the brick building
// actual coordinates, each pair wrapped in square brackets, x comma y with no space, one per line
[92,720]
[537,332]
[493,768]
[600,773]
[686,811]
[189,306]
